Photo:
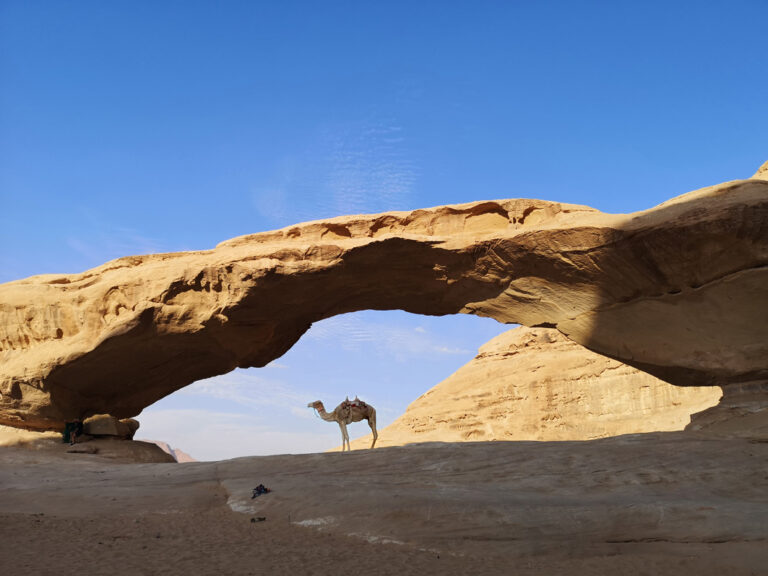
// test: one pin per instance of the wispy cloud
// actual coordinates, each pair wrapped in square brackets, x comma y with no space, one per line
[356,168]
[103,246]
[371,169]
[249,390]
[97,240]
[208,435]
[352,332]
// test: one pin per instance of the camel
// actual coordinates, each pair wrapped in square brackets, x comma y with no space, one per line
[345,413]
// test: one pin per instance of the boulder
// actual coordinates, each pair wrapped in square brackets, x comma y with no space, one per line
[106,425]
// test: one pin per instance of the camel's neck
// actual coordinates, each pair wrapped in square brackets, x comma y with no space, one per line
[325,415]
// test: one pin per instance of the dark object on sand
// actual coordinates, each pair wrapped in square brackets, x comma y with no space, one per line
[259,490]
[258,519]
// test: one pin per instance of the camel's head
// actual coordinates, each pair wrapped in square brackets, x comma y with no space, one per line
[316,405]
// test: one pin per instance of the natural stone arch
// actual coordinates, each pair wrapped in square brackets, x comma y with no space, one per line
[648,289]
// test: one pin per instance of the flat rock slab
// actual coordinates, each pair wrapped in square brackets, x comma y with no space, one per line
[82,449]
[663,503]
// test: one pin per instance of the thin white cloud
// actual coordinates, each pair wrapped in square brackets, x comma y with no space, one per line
[365,167]
[371,169]
[208,435]
[450,350]
[100,241]
[352,332]
[249,390]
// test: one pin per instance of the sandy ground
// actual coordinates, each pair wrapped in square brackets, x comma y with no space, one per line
[661,503]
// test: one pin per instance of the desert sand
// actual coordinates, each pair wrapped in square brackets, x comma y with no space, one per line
[659,503]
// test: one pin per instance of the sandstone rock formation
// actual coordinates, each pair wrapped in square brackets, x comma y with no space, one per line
[178,455]
[106,425]
[50,445]
[12,436]
[536,384]
[742,412]
[677,291]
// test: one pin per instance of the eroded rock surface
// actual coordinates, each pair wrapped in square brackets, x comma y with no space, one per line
[677,291]
[106,425]
[536,384]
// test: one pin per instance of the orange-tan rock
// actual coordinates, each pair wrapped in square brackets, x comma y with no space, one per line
[677,290]
[536,384]
[106,425]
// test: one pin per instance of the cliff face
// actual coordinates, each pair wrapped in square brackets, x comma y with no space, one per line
[677,290]
[178,455]
[535,384]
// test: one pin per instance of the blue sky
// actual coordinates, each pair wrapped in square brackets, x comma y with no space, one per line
[135,127]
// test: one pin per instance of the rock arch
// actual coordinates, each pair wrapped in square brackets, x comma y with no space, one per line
[677,291]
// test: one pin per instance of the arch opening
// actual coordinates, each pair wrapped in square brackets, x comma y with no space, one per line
[388,358]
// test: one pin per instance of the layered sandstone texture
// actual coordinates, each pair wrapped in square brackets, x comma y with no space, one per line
[677,290]
[536,384]
[106,425]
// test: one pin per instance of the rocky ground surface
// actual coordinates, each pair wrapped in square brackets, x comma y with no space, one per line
[660,503]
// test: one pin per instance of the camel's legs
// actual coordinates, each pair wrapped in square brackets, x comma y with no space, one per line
[344,437]
[372,424]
